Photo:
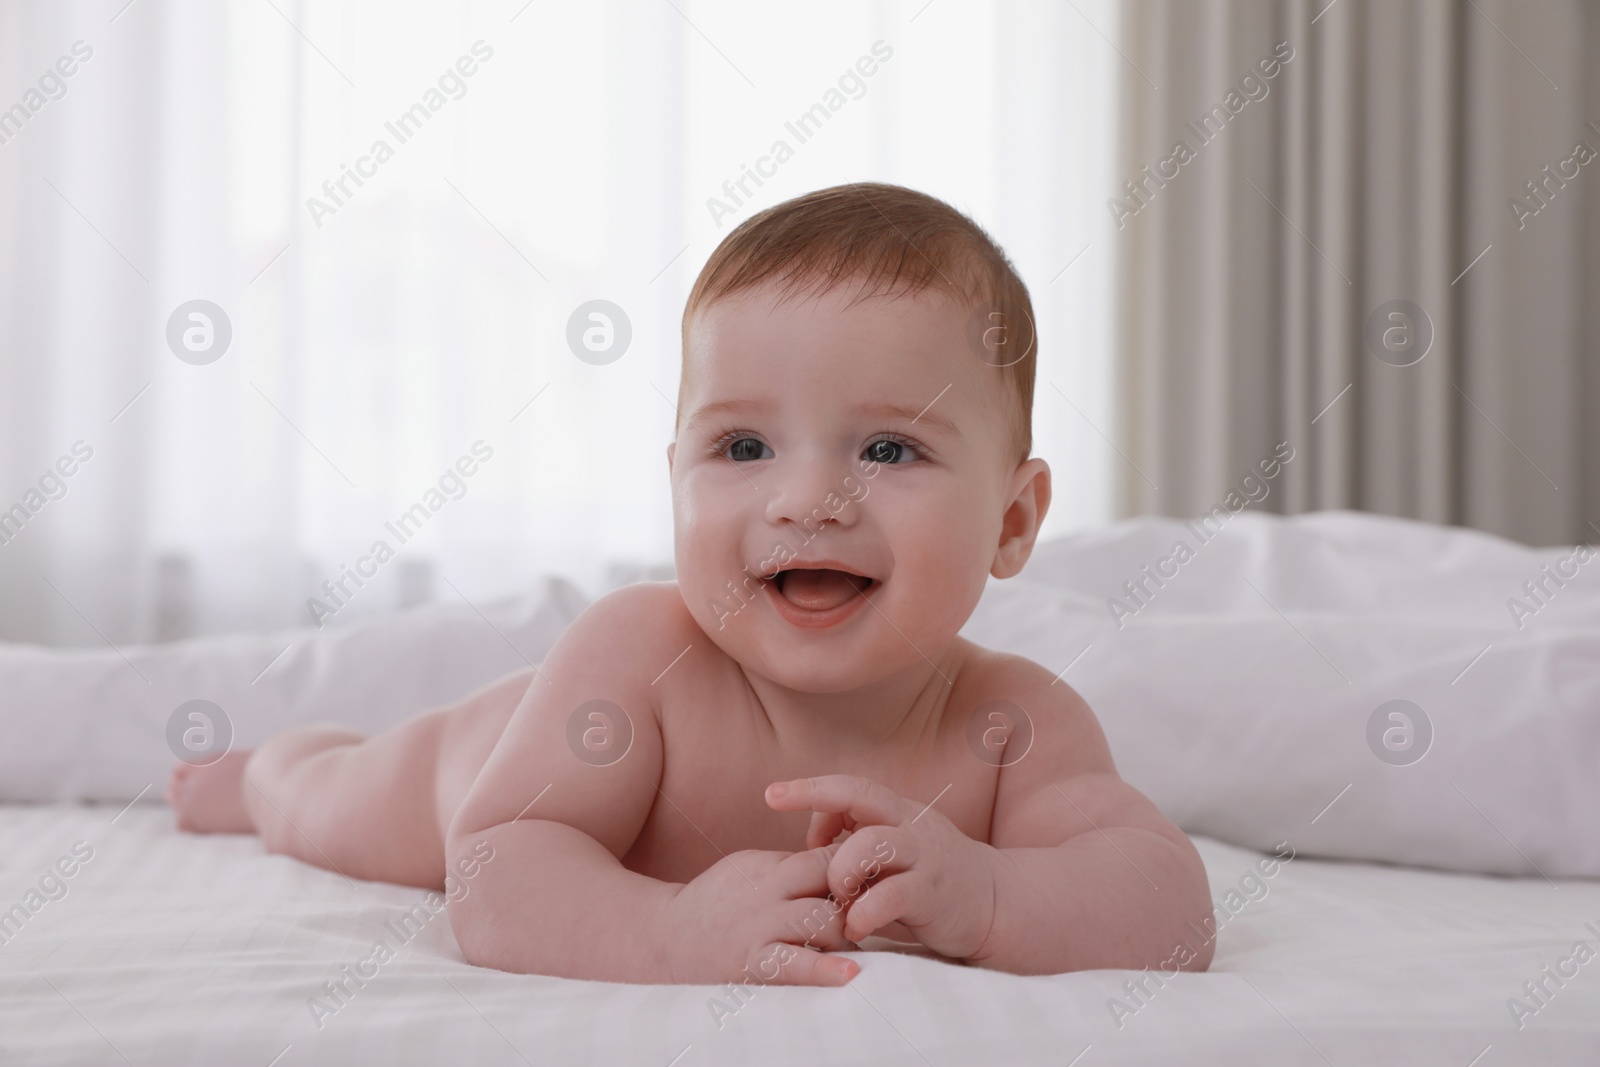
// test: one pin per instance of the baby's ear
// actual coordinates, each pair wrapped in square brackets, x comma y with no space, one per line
[1019,526]
[670,446]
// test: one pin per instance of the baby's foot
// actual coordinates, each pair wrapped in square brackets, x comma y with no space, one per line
[209,799]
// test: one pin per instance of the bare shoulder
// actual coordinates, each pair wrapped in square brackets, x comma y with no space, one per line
[1057,733]
[649,616]
[641,631]
[1057,778]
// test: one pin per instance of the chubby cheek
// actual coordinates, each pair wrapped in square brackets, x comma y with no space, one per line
[706,536]
[942,560]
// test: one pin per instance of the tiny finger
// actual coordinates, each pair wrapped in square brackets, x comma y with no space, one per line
[825,826]
[818,922]
[805,874]
[872,852]
[884,903]
[781,963]
[862,799]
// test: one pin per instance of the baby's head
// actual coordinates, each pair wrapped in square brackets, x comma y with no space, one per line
[851,455]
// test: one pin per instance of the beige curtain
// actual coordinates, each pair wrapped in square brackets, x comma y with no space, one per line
[1441,154]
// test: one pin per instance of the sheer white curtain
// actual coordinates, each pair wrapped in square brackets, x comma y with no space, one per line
[410,325]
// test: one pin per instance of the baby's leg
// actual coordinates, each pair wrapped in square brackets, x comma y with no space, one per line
[361,806]
[373,808]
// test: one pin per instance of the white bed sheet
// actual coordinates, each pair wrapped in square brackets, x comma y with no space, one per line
[176,949]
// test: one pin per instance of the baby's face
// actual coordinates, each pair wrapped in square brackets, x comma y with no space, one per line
[801,444]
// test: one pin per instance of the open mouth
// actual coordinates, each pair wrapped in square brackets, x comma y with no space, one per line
[820,588]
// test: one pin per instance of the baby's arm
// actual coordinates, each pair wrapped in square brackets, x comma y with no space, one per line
[1090,874]
[1081,870]
[555,897]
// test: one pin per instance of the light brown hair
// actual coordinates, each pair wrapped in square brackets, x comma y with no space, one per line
[893,241]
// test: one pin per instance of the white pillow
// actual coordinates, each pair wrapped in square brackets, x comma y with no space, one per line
[91,725]
[1239,694]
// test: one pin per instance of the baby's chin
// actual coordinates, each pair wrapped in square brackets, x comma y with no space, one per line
[805,662]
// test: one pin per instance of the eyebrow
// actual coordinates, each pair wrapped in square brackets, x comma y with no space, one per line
[720,407]
[925,413]
[907,412]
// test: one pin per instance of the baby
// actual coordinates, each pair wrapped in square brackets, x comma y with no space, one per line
[745,772]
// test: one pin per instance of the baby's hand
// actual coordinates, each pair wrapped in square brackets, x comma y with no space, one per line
[758,914]
[917,868]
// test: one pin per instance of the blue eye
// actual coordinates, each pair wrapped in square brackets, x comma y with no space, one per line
[746,449]
[888,450]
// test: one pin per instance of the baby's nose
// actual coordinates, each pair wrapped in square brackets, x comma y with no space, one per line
[811,495]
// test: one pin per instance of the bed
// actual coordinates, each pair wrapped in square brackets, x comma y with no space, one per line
[174,949]
[1441,911]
